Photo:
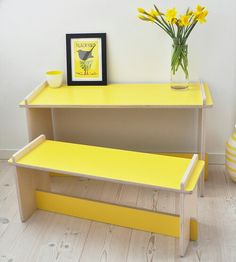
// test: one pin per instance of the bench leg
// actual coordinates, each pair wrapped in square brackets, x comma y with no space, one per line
[188,211]
[27,181]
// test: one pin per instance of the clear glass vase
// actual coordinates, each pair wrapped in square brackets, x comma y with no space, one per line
[179,66]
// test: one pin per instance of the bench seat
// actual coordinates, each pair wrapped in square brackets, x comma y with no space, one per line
[145,169]
[38,159]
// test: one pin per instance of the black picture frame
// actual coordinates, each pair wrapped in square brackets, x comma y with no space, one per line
[86,59]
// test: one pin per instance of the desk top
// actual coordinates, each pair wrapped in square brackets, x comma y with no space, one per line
[119,96]
[122,166]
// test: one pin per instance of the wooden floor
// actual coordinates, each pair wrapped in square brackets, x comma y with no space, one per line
[52,237]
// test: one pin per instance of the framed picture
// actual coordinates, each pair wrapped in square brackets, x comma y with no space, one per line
[86,59]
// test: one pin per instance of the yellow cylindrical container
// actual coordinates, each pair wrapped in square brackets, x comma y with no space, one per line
[230,156]
[54,78]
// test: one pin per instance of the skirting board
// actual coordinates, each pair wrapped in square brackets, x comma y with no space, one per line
[5,154]
[214,159]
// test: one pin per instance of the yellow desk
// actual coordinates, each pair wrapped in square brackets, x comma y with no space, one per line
[119,95]
[180,175]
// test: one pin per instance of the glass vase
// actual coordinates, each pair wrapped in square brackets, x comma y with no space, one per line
[179,66]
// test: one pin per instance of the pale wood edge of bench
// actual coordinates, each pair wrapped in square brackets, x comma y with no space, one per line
[101,178]
[188,172]
[26,149]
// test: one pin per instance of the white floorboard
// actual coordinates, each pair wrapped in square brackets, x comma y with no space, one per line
[48,237]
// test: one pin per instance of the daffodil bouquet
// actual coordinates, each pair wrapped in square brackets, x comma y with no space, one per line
[178,27]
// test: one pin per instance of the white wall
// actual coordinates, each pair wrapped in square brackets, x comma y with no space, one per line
[32,41]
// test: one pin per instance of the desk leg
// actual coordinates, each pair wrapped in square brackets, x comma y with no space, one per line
[27,181]
[202,143]
[39,121]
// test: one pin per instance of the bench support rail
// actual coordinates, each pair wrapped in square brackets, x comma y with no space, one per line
[150,221]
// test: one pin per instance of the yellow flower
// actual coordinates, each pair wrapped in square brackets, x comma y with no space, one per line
[152,19]
[141,10]
[146,18]
[189,13]
[202,17]
[174,21]
[199,9]
[171,15]
[142,17]
[184,20]
[200,14]
[154,13]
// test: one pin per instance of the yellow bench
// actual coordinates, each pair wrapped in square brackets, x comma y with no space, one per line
[40,157]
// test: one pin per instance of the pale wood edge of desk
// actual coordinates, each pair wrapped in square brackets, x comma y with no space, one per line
[115,106]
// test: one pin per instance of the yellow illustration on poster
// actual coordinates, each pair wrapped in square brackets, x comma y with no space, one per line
[86,59]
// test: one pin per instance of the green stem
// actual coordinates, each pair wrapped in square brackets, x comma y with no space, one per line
[164,22]
[187,32]
[180,59]
[163,29]
[167,28]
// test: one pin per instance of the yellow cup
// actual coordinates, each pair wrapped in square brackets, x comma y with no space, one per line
[54,78]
